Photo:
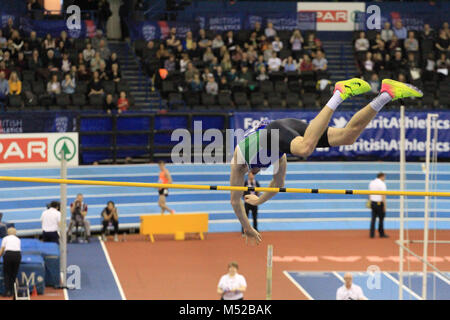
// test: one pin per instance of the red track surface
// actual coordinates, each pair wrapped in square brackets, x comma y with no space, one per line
[191,269]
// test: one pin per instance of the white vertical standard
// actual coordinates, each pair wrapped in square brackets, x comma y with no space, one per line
[426,215]
[402,200]
[63,233]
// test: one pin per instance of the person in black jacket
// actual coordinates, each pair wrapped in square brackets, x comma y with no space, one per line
[251,182]
[110,216]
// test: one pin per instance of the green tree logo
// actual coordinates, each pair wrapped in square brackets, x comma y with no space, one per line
[67,145]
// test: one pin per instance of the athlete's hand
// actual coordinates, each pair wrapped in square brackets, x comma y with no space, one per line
[253,235]
[252,199]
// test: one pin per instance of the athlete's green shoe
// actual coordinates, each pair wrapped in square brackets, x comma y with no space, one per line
[352,87]
[399,90]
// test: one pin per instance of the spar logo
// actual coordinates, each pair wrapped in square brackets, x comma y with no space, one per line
[67,145]
[26,150]
[330,16]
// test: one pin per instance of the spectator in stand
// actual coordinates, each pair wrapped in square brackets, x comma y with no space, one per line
[68,84]
[88,53]
[411,44]
[262,74]
[195,52]
[114,74]
[3,40]
[233,75]
[17,42]
[53,86]
[217,43]
[65,63]
[442,65]
[427,33]
[290,65]
[268,52]
[8,30]
[95,87]
[378,45]
[246,76]
[203,41]
[190,72]
[20,63]
[399,30]
[208,56]
[122,103]
[83,74]
[211,86]
[320,63]
[96,61]
[196,85]
[394,45]
[311,44]
[374,83]
[429,67]
[368,64]
[170,64]
[162,52]
[4,87]
[224,86]
[277,45]
[413,67]
[49,42]
[109,106]
[257,29]
[104,12]
[274,63]
[362,44]
[188,40]
[399,63]
[149,51]
[270,32]
[103,74]
[387,33]
[184,62]
[65,39]
[260,64]
[103,49]
[442,42]
[306,64]
[378,62]
[5,69]
[15,85]
[172,42]
[253,40]
[229,41]
[110,216]
[296,42]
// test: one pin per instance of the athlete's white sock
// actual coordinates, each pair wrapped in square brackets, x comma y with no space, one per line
[380,100]
[335,100]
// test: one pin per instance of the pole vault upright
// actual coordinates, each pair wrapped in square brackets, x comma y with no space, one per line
[63,233]
[402,199]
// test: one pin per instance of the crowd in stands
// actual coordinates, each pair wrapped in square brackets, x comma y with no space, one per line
[59,72]
[256,68]
[418,57]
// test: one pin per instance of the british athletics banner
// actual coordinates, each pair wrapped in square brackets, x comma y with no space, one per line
[37,122]
[380,140]
[151,30]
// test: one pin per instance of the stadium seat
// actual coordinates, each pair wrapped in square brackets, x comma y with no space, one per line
[224,99]
[38,88]
[139,46]
[292,100]
[241,101]
[176,102]
[192,98]
[63,100]
[81,87]
[28,75]
[96,101]
[208,99]
[122,85]
[309,101]
[257,100]
[78,100]
[167,88]
[15,103]
[281,87]
[266,87]
[275,101]
[277,76]
[109,86]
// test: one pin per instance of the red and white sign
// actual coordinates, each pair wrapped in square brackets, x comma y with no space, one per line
[337,16]
[38,149]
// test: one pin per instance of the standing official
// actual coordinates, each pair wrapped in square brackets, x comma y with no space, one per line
[378,205]
[11,260]
[51,219]
[251,182]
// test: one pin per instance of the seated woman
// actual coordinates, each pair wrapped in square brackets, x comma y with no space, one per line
[110,215]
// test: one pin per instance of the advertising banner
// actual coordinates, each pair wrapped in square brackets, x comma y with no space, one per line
[38,149]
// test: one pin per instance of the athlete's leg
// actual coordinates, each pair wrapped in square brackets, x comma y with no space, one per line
[391,90]
[162,204]
[304,146]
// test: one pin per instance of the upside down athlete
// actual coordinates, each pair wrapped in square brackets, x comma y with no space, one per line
[299,138]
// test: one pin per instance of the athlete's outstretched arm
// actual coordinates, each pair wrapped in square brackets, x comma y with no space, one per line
[277,182]
[237,179]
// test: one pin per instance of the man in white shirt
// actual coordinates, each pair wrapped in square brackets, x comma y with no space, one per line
[51,219]
[11,260]
[274,63]
[232,285]
[350,291]
[362,44]
[378,205]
